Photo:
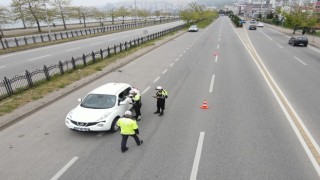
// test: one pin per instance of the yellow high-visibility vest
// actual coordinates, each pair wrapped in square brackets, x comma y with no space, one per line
[127,126]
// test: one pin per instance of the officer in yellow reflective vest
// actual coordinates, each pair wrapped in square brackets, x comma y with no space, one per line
[136,103]
[129,127]
[161,96]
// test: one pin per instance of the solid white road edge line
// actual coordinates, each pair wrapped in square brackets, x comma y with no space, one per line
[197,157]
[146,90]
[300,61]
[65,168]
[313,48]
[39,57]
[211,84]
[285,111]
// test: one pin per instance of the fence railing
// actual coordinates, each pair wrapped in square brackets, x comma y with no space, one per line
[32,78]
[6,43]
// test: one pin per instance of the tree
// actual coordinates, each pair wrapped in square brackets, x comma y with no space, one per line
[33,11]
[19,12]
[98,15]
[122,12]
[112,13]
[186,15]
[60,8]
[81,13]
[143,13]
[4,17]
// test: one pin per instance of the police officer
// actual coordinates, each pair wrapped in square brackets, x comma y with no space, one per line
[129,127]
[161,96]
[136,102]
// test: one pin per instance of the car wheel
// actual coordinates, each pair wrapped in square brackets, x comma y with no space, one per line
[114,126]
[305,45]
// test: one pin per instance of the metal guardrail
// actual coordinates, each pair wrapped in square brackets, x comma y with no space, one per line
[32,78]
[6,43]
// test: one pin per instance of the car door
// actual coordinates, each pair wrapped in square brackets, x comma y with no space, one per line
[123,97]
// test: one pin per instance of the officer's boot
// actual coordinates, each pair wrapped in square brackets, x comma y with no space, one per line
[161,113]
[158,111]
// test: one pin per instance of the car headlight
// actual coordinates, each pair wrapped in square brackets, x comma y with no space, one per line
[69,116]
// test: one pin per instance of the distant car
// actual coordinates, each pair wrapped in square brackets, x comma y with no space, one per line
[252,27]
[193,28]
[260,24]
[299,40]
[100,109]
[253,21]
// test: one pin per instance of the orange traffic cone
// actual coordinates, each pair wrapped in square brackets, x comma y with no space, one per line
[204,105]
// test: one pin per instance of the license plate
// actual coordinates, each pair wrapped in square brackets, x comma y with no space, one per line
[81,129]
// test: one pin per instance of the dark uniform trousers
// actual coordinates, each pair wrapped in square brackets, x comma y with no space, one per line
[161,104]
[125,138]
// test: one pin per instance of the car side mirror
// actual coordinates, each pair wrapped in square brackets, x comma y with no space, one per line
[79,100]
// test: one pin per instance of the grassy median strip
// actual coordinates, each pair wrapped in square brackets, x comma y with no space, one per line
[11,103]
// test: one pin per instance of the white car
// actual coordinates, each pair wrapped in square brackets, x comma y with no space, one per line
[260,24]
[193,28]
[101,108]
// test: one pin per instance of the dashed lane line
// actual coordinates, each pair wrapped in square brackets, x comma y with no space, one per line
[171,64]
[2,67]
[300,61]
[156,79]
[146,90]
[164,71]
[197,157]
[211,84]
[72,49]
[65,168]
[216,60]
[39,57]
[279,45]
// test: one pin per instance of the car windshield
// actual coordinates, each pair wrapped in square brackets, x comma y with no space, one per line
[99,101]
[193,27]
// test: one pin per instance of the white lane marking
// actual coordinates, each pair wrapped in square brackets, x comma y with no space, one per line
[184,51]
[216,60]
[218,46]
[219,39]
[39,58]
[180,56]
[164,71]
[72,49]
[211,83]
[300,61]
[317,50]
[171,64]
[146,90]
[2,67]
[286,111]
[197,157]
[177,59]
[112,39]
[65,168]
[156,79]
[265,34]
[95,43]
[279,45]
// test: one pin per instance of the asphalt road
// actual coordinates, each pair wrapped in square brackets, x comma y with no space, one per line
[17,63]
[244,134]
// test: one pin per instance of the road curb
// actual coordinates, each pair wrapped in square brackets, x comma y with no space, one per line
[32,107]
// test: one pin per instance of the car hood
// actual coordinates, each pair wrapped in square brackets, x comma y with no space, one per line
[81,114]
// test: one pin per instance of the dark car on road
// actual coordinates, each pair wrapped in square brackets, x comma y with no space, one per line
[252,27]
[299,40]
